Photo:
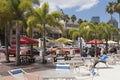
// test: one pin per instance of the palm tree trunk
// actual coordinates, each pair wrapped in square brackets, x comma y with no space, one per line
[31,45]
[44,45]
[111,16]
[106,44]
[6,43]
[119,17]
[81,45]
[17,45]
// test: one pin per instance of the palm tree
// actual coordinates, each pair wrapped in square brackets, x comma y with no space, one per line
[117,8]
[66,19]
[5,20]
[20,9]
[71,31]
[107,29]
[80,20]
[31,23]
[65,33]
[45,18]
[73,18]
[111,8]
[114,7]
[87,30]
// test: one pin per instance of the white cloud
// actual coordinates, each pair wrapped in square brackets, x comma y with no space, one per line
[64,4]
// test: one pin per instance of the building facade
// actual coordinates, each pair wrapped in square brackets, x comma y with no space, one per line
[95,19]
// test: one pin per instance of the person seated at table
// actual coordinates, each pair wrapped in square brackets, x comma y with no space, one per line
[102,59]
[84,53]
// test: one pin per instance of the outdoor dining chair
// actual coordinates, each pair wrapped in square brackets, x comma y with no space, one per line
[20,74]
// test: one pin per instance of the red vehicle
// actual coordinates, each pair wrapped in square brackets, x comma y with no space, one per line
[12,50]
[64,50]
[67,50]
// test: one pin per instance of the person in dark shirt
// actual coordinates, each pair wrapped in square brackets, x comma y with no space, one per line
[84,53]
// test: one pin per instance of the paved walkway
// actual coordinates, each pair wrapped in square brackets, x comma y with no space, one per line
[111,73]
[36,68]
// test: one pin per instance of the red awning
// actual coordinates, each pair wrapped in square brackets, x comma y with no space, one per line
[95,41]
[26,40]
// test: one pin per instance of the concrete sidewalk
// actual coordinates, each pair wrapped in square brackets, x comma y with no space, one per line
[105,73]
[36,68]
[110,73]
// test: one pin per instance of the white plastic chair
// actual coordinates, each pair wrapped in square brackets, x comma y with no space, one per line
[86,71]
[89,76]
[20,74]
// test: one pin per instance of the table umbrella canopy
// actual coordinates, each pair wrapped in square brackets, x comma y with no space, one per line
[111,42]
[95,41]
[63,40]
[26,40]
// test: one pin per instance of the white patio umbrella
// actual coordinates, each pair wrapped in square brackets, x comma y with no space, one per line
[111,42]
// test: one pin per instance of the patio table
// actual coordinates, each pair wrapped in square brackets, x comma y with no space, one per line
[58,74]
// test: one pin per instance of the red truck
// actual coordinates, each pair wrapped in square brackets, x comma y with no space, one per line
[12,50]
[23,50]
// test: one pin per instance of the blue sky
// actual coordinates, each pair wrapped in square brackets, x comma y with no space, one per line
[84,9]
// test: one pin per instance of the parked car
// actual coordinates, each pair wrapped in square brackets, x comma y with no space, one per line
[36,51]
[69,49]
[65,50]
[1,48]
[12,50]
[52,49]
